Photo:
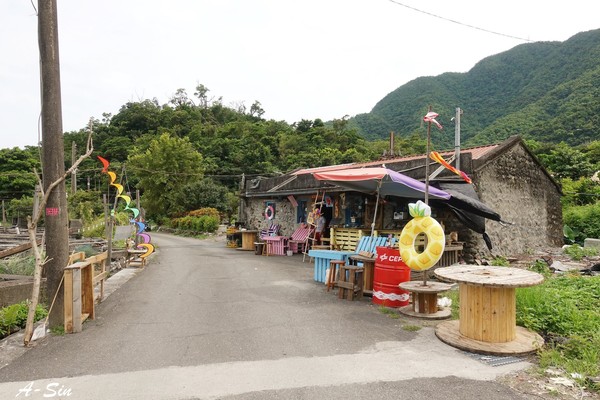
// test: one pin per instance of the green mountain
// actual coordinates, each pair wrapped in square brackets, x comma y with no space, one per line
[548,91]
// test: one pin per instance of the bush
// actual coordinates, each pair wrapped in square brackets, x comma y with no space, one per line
[204,223]
[584,221]
[15,316]
[209,211]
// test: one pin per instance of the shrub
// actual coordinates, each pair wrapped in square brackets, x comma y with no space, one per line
[15,316]
[584,221]
[209,211]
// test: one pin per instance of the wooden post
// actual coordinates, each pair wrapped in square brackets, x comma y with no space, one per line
[3,215]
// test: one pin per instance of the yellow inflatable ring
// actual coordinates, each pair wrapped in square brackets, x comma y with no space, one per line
[435,243]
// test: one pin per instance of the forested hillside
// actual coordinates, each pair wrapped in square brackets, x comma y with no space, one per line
[548,91]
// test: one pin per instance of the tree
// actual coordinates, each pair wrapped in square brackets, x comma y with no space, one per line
[163,168]
[16,171]
[566,162]
[203,194]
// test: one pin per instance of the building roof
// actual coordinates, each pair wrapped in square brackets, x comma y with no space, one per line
[475,152]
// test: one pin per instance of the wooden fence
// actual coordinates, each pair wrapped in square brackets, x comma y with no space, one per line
[81,277]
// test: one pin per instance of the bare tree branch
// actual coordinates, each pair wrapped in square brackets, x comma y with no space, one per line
[32,229]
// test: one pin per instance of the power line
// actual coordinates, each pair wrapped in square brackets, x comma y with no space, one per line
[460,23]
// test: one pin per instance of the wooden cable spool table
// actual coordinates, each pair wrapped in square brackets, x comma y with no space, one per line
[248,239]
[487,322]
[425,300]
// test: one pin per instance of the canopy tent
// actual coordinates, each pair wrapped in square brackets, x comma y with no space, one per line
[380,181]
[461,198]
[465,204]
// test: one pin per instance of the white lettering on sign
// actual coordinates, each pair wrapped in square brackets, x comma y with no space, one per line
[52,390]
[385,257]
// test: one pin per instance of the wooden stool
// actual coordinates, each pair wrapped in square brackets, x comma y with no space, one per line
[350,282]
[333,271]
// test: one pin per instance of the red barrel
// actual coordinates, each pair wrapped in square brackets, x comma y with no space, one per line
[390,271]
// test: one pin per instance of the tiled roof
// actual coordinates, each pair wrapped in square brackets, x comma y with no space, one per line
[476,153]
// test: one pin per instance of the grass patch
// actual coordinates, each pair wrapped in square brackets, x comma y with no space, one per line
[564,310]
[411,328]
[577,252]
[18,265]
[58,330]
[390,312]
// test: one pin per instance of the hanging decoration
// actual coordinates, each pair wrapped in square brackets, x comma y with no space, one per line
[140,226]
[422,222]
[270,211]
[435,156]
[431,117]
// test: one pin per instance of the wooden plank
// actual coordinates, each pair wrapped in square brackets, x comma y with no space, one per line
[17,249]
[78,265]
[100,277]
[68,301]
[80,256]
[87,291]
[77,323]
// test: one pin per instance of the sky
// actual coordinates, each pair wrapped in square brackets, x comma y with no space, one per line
[300,59]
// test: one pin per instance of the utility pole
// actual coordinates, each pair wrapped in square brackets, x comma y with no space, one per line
[457,137]
[74,173]
[53,165]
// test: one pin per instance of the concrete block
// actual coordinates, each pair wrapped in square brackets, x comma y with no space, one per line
[593,243]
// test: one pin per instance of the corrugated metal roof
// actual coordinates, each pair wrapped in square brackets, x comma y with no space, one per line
[476,153]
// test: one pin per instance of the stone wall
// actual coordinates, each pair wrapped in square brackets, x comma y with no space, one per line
[15,289]
[285,215]
[514,185]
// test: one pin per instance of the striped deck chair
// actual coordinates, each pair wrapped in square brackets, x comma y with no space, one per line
[298,240]
[272,230]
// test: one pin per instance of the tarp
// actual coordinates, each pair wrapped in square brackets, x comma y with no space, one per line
[382,180]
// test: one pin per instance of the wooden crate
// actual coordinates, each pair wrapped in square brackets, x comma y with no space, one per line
[345,239]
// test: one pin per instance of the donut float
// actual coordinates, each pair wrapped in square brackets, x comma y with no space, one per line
[422,222]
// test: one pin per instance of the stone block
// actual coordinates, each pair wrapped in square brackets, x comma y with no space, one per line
[593,243]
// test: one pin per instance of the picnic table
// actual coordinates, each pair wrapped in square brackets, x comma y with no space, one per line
[487,321]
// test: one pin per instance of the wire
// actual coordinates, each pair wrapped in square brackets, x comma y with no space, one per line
[460,23]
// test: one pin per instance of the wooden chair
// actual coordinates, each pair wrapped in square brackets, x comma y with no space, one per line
[298,241]
[272,230]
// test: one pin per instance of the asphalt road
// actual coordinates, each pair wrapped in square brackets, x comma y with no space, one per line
[202,321]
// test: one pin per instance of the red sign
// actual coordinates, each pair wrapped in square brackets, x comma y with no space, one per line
[52,211]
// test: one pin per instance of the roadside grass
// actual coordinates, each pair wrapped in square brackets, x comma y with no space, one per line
[565,311]
[18,265]
[390,312]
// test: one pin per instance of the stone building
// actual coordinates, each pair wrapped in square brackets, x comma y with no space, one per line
[506,177]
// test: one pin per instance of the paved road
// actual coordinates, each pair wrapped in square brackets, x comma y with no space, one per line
[203,321]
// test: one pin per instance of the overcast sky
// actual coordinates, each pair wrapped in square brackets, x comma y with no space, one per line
[302,59]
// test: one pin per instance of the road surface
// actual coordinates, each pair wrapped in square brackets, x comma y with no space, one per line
[202,321]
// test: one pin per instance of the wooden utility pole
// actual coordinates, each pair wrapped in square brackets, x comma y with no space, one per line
[53,165]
